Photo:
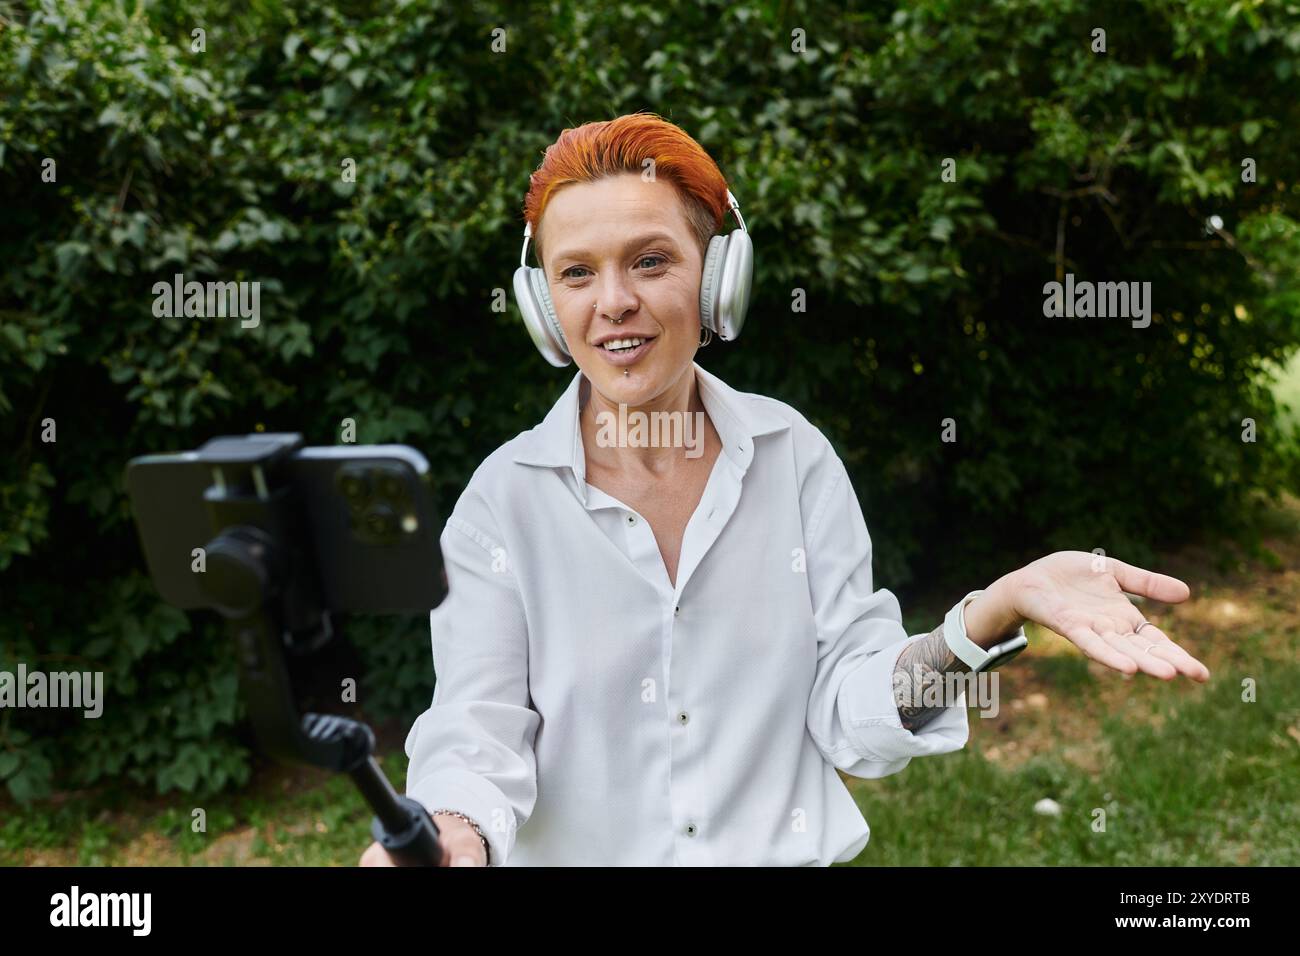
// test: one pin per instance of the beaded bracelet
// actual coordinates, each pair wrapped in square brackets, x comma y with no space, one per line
[487,851]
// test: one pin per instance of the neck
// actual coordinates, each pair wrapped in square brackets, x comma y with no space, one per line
[613,441]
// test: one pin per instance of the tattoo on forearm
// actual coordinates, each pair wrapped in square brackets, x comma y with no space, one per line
[922,664]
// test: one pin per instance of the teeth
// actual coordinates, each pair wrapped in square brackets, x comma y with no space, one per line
[623,343]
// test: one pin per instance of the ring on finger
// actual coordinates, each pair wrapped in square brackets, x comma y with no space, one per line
[1145,622]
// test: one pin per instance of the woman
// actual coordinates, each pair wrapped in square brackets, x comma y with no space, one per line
[660,653]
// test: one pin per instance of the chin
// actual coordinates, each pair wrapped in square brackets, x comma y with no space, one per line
[647,377]
[644,380]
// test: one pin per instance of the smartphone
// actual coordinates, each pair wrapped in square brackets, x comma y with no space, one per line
[364,513]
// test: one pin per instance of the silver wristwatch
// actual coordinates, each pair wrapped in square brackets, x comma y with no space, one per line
[968,652]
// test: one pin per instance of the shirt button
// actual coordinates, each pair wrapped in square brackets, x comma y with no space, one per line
[691,829]
[631,519]
[677,610]
[683,718]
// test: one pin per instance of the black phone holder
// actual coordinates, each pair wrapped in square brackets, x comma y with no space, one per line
[260,576]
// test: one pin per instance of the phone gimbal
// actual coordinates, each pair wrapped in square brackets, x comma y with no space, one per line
[261,574]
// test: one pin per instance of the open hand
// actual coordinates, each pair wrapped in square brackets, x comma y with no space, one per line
[1080,596]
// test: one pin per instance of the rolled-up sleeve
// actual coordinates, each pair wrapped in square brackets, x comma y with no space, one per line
[472,750]
[852,713]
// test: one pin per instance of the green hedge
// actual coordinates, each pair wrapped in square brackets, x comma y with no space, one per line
[924,297]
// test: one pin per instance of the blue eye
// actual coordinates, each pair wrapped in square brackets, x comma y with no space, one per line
[653,256]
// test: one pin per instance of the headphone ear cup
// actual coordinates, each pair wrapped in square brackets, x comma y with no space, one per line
[725,283]
[709,280]
[538,312]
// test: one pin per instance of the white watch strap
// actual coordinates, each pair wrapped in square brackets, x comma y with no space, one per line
[954,633]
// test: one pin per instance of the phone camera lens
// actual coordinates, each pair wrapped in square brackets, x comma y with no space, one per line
[379,521]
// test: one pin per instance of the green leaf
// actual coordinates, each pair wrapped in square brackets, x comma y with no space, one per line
[112,115]
[13,337]
[941,229]
[9,762]
[69,255]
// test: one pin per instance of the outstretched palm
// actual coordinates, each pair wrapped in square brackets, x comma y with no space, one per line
[1081,597]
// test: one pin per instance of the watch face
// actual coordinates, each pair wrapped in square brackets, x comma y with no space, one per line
[1013,647]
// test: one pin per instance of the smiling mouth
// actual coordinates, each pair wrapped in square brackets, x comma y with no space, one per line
[627,351]
[626,346]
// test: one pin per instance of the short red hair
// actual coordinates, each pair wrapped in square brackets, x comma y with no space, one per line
[609,147]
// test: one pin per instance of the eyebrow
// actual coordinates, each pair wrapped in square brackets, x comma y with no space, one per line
[630,244]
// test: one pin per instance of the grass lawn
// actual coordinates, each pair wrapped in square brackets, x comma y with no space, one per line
[1186,774]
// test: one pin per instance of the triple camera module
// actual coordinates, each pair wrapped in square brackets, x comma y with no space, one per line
[381,508]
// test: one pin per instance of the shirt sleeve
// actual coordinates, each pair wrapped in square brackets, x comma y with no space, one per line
[472,750]
[852,714]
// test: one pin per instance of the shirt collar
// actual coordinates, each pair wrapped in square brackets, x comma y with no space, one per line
[557,440]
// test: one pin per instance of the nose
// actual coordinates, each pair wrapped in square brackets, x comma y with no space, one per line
[614,300]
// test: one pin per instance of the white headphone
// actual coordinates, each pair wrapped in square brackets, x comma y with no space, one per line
[724,291]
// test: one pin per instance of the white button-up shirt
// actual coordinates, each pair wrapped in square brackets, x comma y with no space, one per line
[587,711]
